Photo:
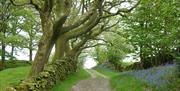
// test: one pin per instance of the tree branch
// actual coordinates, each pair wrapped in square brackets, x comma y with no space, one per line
[29,3]
[99,39]
[13,3]
[76,24]
[35,5]
[48,5]
[85,28]
[112,14]
[85,47]
[120,11]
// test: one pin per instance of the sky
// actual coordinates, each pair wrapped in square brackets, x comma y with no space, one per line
[89,62]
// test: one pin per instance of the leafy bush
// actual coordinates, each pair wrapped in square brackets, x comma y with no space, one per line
[18,63]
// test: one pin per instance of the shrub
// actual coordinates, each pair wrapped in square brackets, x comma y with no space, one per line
[18,63]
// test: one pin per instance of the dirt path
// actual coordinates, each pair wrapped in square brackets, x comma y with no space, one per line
[95,74]
[98,82]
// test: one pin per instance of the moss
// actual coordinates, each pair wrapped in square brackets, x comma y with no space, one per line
[48,78]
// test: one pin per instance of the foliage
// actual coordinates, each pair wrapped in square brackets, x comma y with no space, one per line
[119,48]
[16,63]
[100,54]
[19,22]
[115,49]
[153,29]
[71,80]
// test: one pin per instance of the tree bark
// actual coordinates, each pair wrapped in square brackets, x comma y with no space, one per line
[12,52]
[3,54]
[60,48]
[30,55]
[30,47]
[51,29]
[45,45]
[42,55]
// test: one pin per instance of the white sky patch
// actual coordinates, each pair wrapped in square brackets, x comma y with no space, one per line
[21,54]
[25,34]
[113,10]
[125,5]
[89,62]
[131,58]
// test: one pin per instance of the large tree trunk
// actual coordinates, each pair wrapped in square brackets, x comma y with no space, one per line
[60,48]
[42,55]
[45,45]
[50,35]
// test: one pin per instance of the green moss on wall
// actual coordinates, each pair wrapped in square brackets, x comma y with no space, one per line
[48,78]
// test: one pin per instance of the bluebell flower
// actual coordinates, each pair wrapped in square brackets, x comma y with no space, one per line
[157,76]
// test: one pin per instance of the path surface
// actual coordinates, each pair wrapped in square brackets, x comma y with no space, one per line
[98,82]
[95,74]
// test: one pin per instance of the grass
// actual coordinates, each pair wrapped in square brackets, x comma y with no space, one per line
[162,78]
[12,76]
[123,83]
[71,80]
[128,83]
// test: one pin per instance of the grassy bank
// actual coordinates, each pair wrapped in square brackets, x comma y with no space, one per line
[123,83]
[71,80]
[128,83]
[162,78]
[12,76]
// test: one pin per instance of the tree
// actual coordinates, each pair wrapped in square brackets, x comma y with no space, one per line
[152,29]
[115,49]
[4,16]
[14,21]
[21,22]
[58,28]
